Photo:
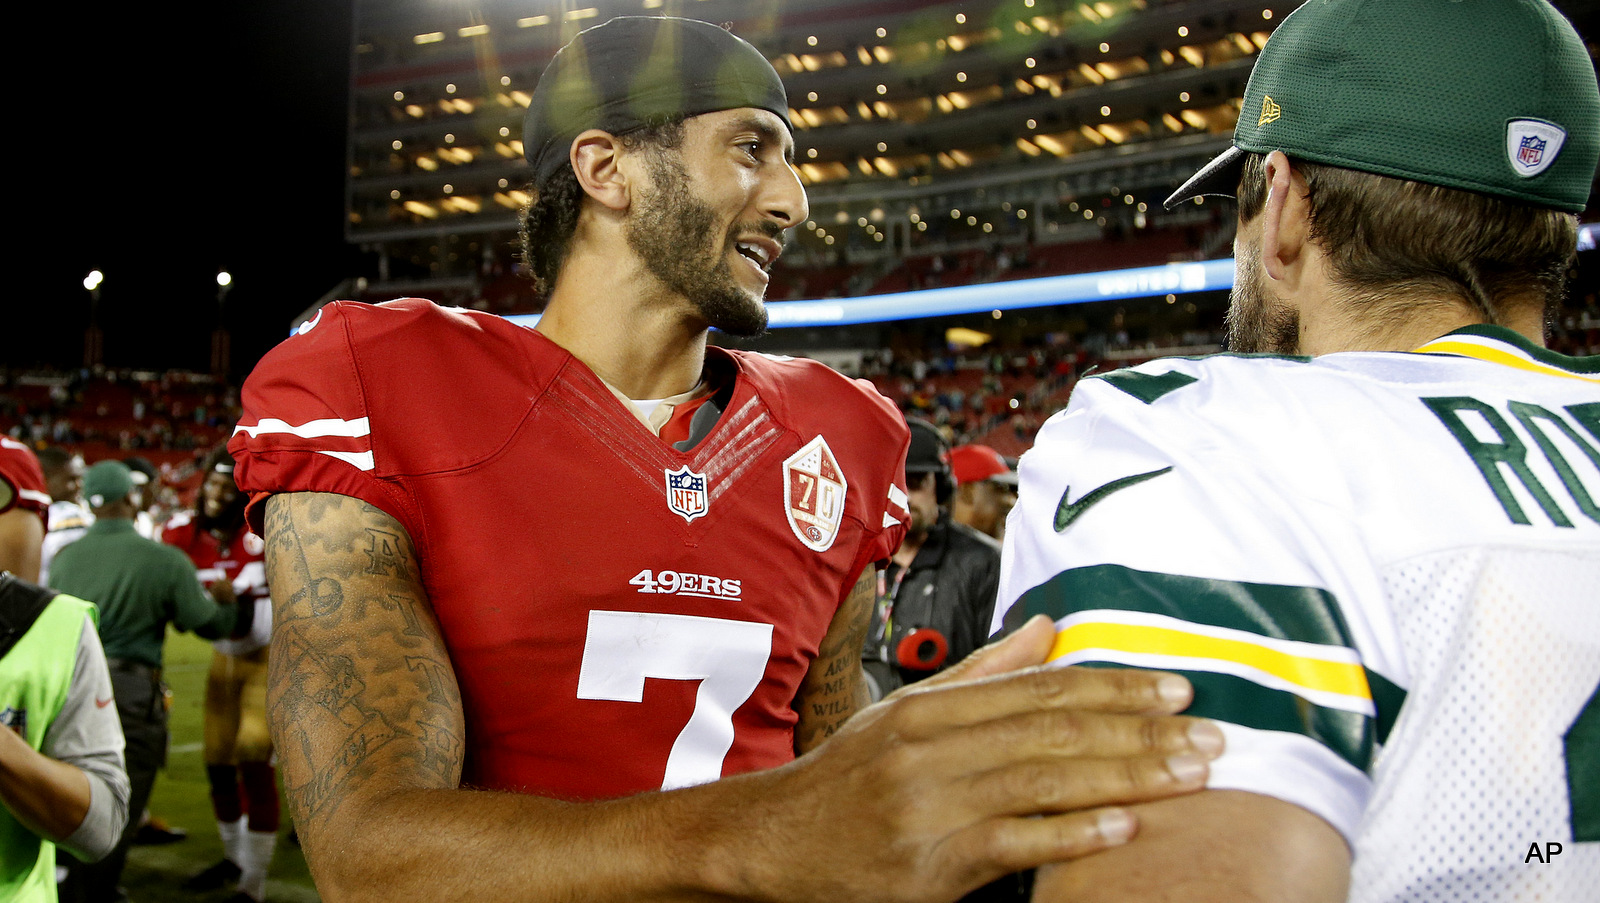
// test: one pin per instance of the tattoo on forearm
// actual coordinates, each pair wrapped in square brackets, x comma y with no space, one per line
[356,690]
[322,699]
[441,750]
[407,611]
[837,691]
[322,597]
[385,555]
[436,673]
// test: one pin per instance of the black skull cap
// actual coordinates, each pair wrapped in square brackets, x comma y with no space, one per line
[636,71]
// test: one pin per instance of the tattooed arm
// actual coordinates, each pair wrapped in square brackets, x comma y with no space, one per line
[834,688]
[920,798]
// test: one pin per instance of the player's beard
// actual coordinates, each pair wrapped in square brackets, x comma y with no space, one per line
[674,233]
[1257,322]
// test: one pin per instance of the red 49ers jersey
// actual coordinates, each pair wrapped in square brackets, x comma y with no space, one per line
[24,479]
[242,562]
[621,616]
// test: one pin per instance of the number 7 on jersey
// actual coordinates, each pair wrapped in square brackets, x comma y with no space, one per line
[623,648]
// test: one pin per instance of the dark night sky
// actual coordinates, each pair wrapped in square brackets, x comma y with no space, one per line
[175,141]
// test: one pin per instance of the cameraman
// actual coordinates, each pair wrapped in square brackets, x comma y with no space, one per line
[936,597]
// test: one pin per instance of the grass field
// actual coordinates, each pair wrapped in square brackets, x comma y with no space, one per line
[182,797]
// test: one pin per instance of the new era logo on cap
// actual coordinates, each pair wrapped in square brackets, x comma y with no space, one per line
[1270,111]
[1532,145]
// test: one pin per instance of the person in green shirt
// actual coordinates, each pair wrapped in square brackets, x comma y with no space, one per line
[140,586]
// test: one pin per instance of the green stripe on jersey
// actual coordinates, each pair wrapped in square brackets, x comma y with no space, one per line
[1581,745]
[1587,364]
[1303,614]
[1387,698]
[1147,387]
[1236,700]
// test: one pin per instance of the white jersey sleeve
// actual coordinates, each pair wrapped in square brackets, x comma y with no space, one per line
[1140,533]
[1378,570]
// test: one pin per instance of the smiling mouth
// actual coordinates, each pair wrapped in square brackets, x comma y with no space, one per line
[761,257]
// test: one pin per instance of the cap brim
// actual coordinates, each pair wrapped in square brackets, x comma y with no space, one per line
[1219,178]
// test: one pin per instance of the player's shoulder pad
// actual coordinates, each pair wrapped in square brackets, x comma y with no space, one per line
[865,431]
[19,461]
[1219,388]
[413,370]
[797,387]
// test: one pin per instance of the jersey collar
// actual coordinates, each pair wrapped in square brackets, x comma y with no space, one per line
[1499,345]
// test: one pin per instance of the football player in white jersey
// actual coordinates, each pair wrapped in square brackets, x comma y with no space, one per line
[1377,561]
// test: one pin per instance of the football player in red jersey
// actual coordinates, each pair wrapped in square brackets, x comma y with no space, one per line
[23,503]
[522,577]
[228,559]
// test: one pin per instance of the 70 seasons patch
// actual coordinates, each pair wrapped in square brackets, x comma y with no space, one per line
[704,586]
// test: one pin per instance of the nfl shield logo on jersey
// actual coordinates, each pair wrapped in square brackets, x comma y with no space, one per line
[813,494]
[686,493]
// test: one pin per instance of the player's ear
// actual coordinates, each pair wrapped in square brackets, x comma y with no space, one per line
[596,157]
[1285,220]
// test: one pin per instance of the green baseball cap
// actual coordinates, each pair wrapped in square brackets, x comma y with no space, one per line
[106,482]
[1492,96]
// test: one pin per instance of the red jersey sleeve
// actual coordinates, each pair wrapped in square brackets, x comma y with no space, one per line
[894,437]
[305,426]
[24,479]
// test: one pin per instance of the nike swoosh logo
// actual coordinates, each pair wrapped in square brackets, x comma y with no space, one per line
[1067,512]
[102,703]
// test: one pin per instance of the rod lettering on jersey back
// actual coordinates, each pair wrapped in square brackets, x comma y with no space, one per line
[1506,457]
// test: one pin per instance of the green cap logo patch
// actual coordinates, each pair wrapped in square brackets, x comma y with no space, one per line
[1532,145]
[1270,111]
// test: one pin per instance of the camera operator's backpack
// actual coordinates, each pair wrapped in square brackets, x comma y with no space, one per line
[21,603]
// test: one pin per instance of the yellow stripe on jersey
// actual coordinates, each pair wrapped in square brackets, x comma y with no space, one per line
[1313,674]
[1497,355]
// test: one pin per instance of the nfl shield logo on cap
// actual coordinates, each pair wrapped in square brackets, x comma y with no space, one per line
[686,493]
[1532,145]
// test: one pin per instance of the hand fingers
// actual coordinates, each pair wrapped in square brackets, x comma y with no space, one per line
[1049,786]
[1059,733]
[1026,647]
[1001,846]
[926,708]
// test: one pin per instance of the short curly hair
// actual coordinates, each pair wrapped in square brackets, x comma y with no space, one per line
[551,217]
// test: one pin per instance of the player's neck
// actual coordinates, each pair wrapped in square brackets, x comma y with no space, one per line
[1330,329]
[618,322]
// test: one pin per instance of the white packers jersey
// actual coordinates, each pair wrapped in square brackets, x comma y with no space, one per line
[1381,572]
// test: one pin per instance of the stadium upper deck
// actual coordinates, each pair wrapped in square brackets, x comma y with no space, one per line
[1001,117]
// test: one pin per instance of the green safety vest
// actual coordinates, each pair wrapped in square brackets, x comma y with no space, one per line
[34,678]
